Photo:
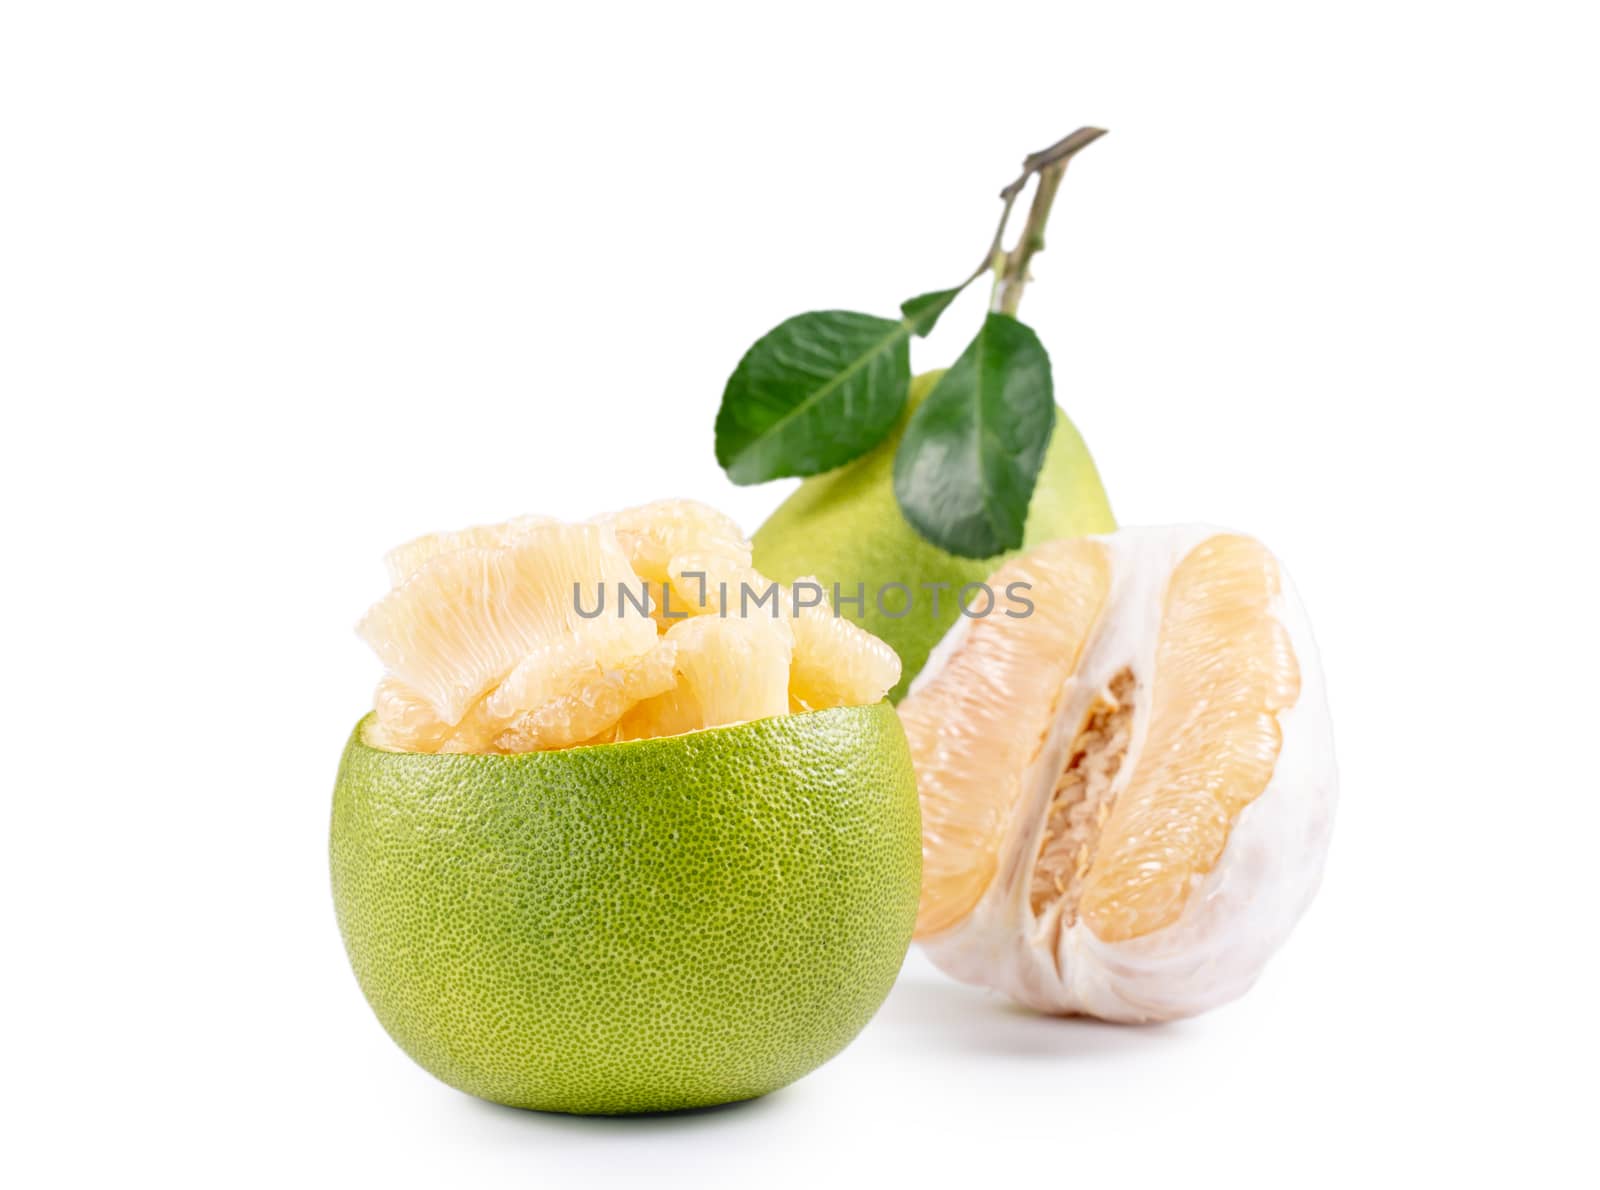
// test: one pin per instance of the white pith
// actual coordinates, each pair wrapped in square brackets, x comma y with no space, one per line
[1240,911]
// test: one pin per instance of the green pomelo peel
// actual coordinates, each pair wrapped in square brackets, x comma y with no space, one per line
[645,926]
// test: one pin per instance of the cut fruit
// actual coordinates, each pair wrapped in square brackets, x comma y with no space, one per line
[729,671]
[405,560]
[975,733]
[736,670]
[836,662]
[1126,794]
[713,584]
[662,538]
[583,919]
[654,534]
[1224,668]
[405,721]
[456,628]
[533,635]
[585,702]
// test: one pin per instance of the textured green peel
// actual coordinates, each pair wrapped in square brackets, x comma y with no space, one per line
[646,926]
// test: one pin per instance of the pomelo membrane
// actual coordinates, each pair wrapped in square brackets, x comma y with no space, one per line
[1127,795]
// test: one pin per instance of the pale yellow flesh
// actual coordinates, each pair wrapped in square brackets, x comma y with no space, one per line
[487,652]
[835,662]
[1153,780]
[455,629]
[1224,668]
[977,726]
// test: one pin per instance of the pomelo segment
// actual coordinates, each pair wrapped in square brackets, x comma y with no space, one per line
[1224,668]
[1126,795]
[532,635]
[976,731]
[405,560]
[837,662]
[405,722]
[585,701]
[466,618]
[728,671]
[714,584]
[653,534]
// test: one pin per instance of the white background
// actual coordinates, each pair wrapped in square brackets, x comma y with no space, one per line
[284,284]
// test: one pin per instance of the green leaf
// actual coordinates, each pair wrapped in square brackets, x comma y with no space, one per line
[923,310]
[971,453]
[812,394]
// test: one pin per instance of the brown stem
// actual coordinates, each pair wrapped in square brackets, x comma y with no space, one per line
[1011,268]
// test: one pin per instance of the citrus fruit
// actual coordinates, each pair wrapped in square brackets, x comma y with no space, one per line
[405,560]
[1127,793]
[833,658]
[845,527]
[728,670]
[454,630]
[654,534]
[534,635]
[595,853]
[640,926]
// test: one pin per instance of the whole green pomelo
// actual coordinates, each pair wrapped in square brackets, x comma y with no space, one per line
[643,926]
[845,527]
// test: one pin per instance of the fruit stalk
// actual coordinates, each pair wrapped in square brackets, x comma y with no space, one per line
[1011,268]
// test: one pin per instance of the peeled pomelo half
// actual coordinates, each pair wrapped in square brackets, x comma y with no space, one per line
[1127,791]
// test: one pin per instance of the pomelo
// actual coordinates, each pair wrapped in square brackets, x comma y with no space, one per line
[1126,796]
[641,926]
[845,527]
